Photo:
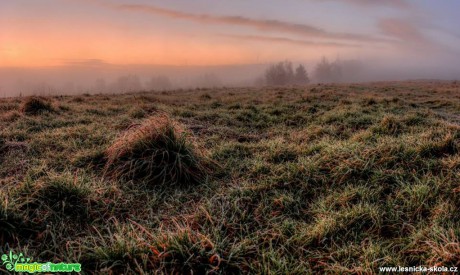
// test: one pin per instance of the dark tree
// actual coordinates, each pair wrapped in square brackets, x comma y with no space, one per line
[279,74]
[301,76]
[327,72]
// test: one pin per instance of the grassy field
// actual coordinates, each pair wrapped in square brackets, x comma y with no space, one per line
[322,179]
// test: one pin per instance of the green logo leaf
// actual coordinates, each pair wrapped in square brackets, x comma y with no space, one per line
[10,260]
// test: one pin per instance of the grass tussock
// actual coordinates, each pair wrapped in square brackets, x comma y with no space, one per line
[187,252]
[390,125]
[447,145]
[158,151]
[36,105]
[65,196]
[56,198]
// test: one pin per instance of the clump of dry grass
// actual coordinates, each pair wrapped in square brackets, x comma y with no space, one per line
[36,105]
[390,125]
[444,248]
[446,146]
[10,116]
[157,152]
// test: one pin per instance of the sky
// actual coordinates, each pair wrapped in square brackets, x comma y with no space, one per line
[401,33]
[218,32]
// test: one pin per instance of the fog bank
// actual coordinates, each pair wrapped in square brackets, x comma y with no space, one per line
[105,78]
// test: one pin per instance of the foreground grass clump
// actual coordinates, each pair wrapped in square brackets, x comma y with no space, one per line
[55,198]
[65,197]
[36,105]
[189,252]
[156,152]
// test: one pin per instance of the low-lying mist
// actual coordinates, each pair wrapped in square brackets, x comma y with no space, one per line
[95,77]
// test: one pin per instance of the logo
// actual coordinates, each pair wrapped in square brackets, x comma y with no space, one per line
[19,263]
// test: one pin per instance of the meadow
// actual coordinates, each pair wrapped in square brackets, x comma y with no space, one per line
[339,178]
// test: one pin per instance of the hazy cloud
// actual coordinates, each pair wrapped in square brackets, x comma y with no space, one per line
[400,4]
[402,29]
[260,24]
[83,62]
[289,41]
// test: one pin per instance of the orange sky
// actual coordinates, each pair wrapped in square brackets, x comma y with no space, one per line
[50,46]
[177,32]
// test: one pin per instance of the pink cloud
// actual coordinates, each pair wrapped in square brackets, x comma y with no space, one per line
[303,30]
[400,4]
[298,42]
[401,29]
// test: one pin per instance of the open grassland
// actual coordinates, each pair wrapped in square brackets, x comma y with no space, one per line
[327,178]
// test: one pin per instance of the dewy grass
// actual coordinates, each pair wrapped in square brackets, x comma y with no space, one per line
[64,196]
[318,180]
[156,152]
[11,223]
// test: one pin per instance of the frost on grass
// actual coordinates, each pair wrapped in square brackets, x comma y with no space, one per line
[158,151]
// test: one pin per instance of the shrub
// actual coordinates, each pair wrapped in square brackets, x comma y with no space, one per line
[36,105]
[156,152]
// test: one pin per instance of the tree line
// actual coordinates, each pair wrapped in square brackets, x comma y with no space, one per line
[283,73]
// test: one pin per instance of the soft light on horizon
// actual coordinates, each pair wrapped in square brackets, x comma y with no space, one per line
[49,32]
